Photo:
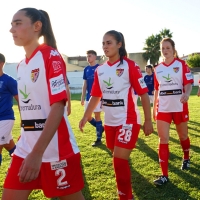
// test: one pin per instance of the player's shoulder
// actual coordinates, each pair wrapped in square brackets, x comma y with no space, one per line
[131,62]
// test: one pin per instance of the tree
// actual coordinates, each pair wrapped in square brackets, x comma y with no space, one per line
[193,60]
[152,46]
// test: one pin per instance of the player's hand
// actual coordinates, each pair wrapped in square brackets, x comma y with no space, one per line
[184,98]
[148,127]
[30,168]
[68,110]
[82,123]
[82,103]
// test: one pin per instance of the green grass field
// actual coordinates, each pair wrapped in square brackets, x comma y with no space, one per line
[97,162]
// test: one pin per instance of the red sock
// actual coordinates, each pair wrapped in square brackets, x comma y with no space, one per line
[186,148]
[163,158]
[123,178]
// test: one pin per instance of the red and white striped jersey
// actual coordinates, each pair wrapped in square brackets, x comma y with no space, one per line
[170,81]
[116,84]
[41,83]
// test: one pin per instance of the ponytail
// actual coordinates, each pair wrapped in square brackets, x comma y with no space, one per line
[46,31]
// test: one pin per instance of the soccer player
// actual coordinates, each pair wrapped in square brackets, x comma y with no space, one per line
[173,84]
[46,156]
[115,82]
[149,80]
[8,90]
[88,79]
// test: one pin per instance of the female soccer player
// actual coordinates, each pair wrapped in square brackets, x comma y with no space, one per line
[115,82]
[173,84]
[46,156]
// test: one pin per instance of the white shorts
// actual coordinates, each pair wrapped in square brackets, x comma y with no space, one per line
[151,98]
[97,109]
[6,131]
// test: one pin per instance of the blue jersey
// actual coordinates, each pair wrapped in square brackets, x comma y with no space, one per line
[149,80]
[8,89]
[88,75]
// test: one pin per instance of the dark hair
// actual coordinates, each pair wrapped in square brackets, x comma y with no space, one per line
[91,52]
[46,31]
[119,38]
[150,67]
[173,45]
[2,58]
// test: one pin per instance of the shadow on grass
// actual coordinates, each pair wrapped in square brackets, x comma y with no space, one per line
[104,148]
[85,190]
[150,192]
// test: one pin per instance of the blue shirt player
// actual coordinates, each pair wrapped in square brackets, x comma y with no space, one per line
[149,80]
[88,79]
[8,90]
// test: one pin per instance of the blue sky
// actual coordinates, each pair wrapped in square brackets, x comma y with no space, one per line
[79,25]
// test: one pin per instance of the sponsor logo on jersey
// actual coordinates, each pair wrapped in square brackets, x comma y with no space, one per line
[119,72]
[176,69]
[111,92]
[189,76]
[33,125]
[170,92]
[56,66]
[57,84]
[142,82]
[108,84]
[58,165]
[34,75]
[54,53]
[113,103]
[167,78]
[159,72]
[25,95]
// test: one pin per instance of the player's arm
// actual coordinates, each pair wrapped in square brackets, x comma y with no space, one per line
[30,167]
[69,100]
[83,92]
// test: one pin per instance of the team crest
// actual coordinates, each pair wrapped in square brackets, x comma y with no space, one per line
[119,72]
[34,75]
[176,69]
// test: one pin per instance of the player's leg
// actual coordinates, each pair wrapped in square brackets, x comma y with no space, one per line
[163,126]
[125,141]
[12,194]
[10,147]
[182,130]
[75,196]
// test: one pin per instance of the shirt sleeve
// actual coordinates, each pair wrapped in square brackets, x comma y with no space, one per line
[136,79]
[187,75]
[56,79]
[156,84]
[96,90]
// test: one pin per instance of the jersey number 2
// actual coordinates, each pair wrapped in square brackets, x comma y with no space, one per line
[62,174]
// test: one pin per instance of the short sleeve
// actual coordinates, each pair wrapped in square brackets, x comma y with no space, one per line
[56,78]
[187,75]
[96,90]
[136,78]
